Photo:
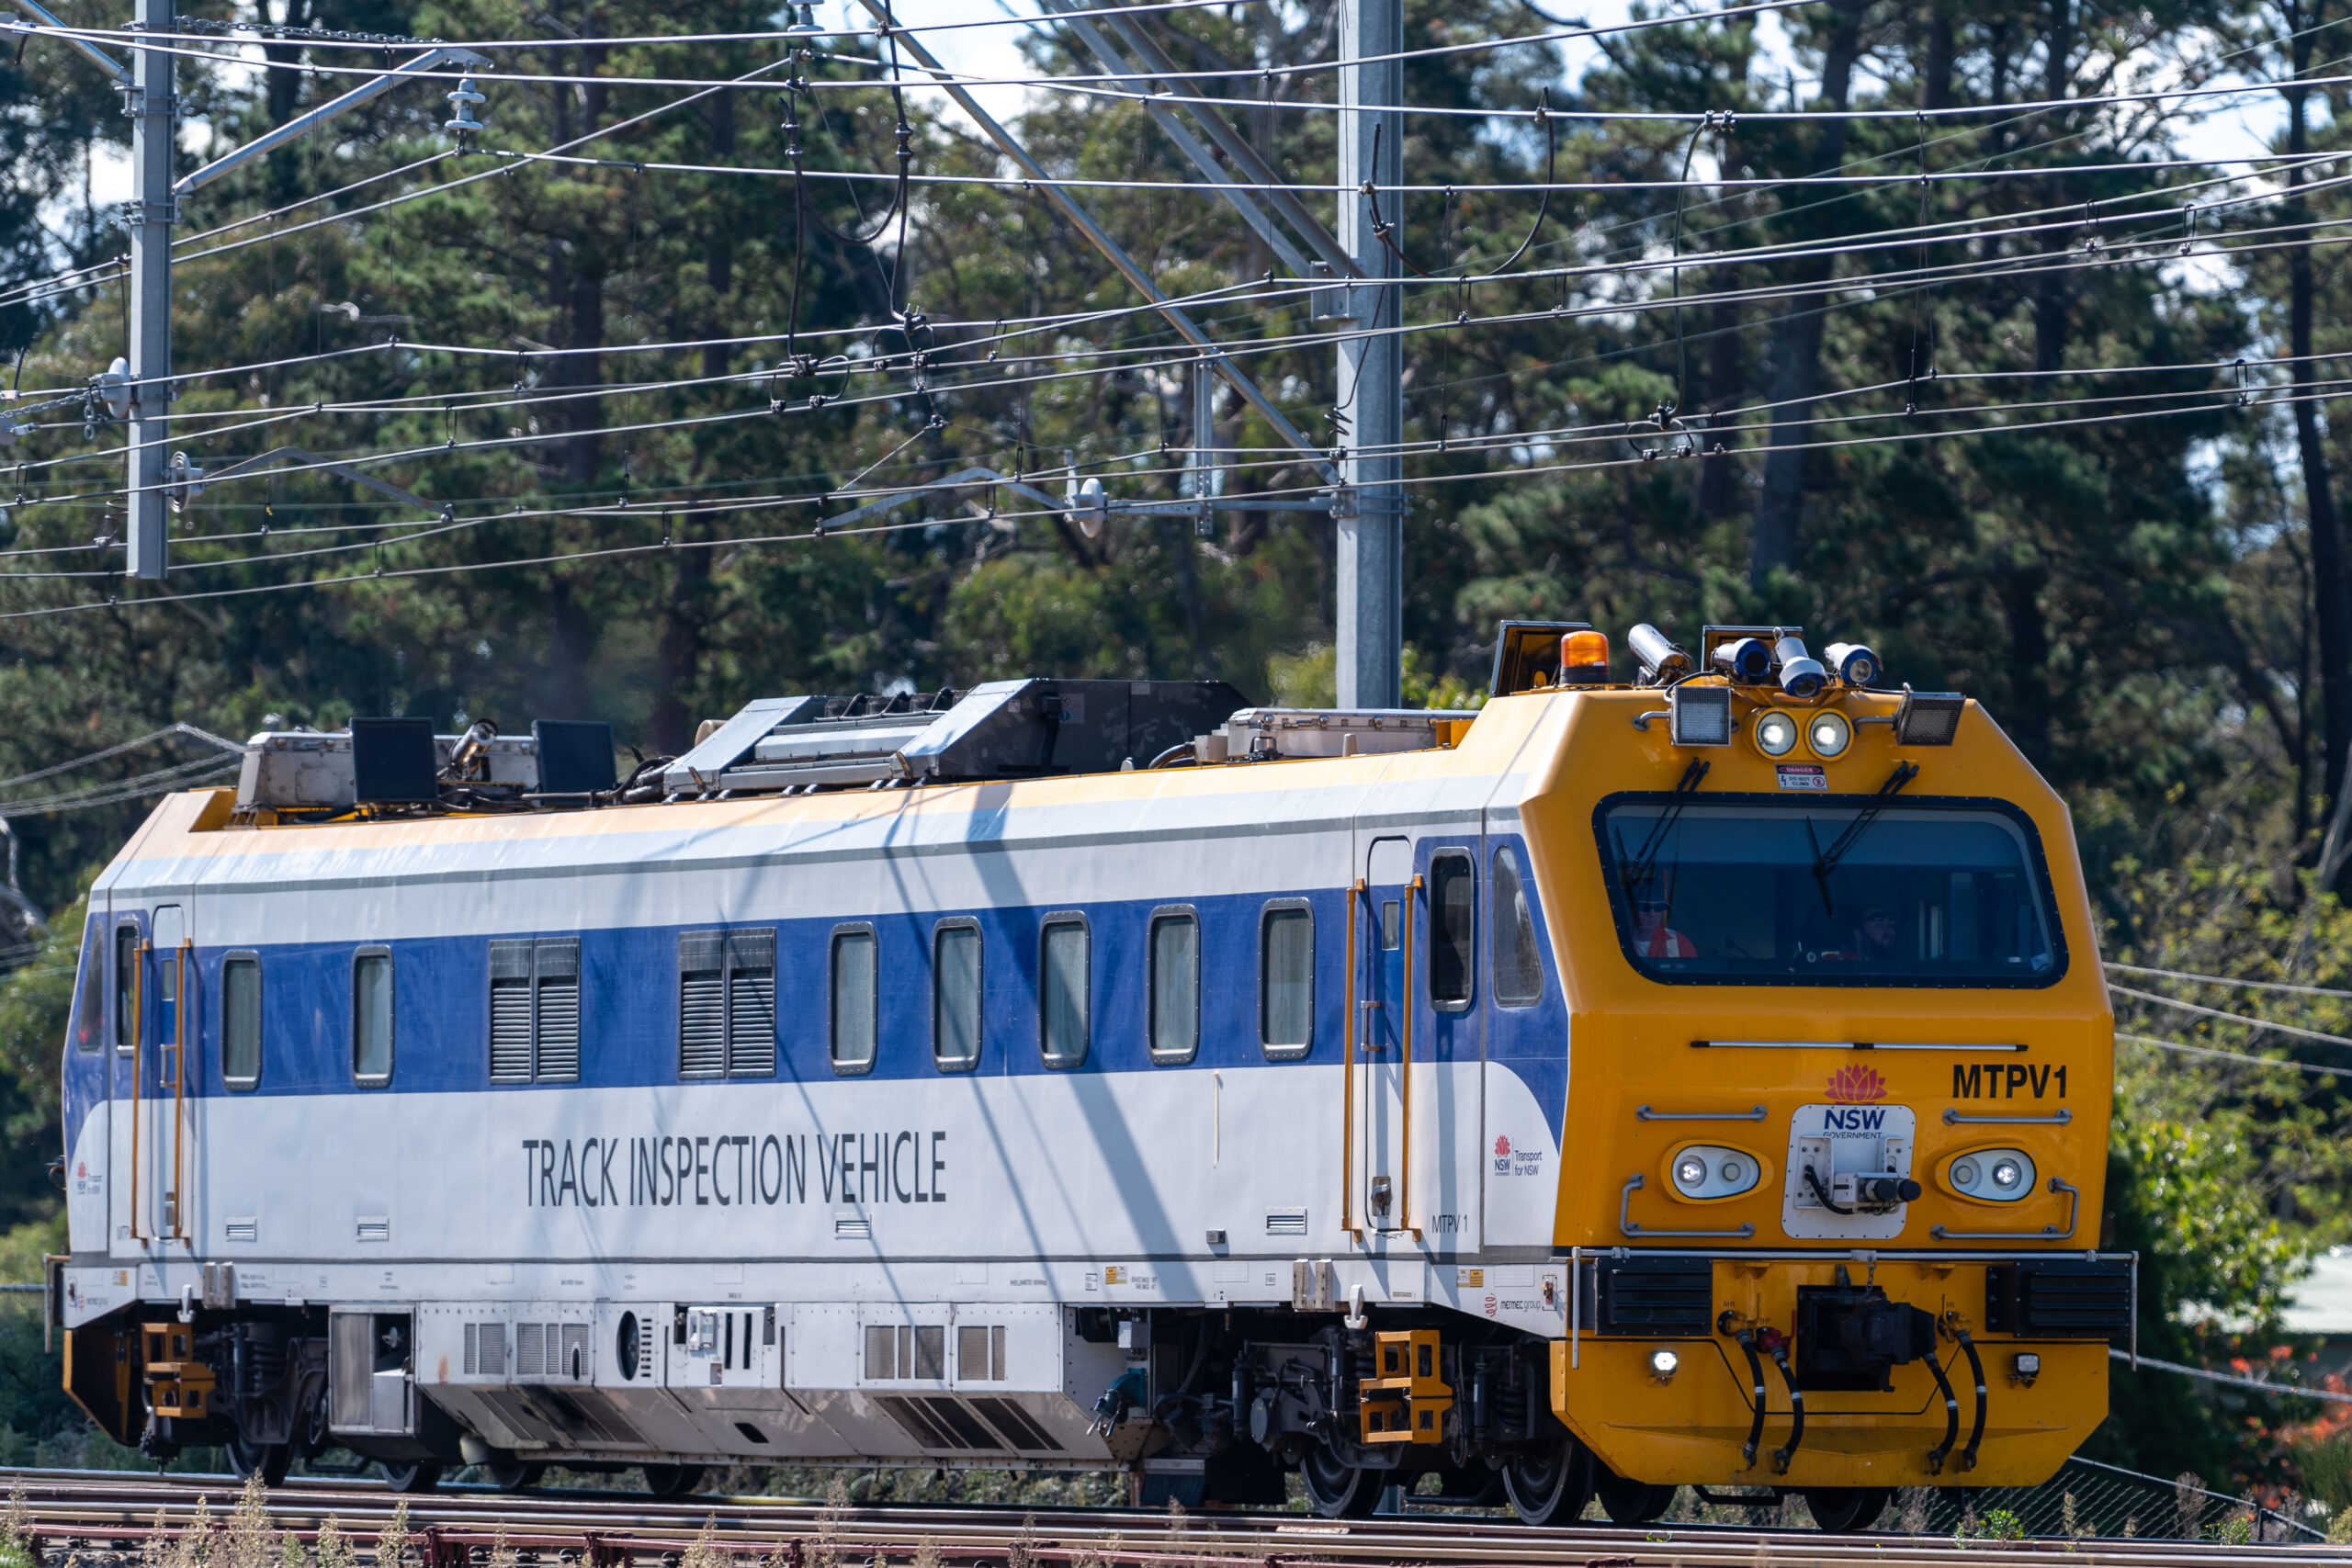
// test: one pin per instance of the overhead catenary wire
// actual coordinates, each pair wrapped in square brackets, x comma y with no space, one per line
[2227,980]
[2186,1049]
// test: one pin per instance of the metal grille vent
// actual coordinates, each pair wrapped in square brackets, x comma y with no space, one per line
[573,1362]
[750,1004]
[486,1350]
[1285,1222]
[1650,1295]
[559,1025]
[531,1348]
[1016,1424]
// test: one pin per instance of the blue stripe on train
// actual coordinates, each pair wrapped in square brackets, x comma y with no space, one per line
[629,1003]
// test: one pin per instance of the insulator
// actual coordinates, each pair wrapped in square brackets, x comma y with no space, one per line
[464,121]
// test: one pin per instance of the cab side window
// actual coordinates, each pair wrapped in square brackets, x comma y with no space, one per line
[1454,930]
[852,1018]
[1064,961]
[1519,958]
[241,1019]
[126,987]
[90,993]
[371,1016]
[1286,980]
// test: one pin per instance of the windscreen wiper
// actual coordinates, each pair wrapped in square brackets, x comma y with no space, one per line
[1826,861]
[1646,859]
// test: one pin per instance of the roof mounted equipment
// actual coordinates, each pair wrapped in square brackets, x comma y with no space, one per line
[1802,676]
[1527,654]
[1928,718]
[1662,663]
[1002,729]
[575,756]
[393,762]
[1699,715]
[1856,663]
[1266,733]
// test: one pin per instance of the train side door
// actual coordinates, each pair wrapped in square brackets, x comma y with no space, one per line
[125,956]
[1384,916]
[154,1013]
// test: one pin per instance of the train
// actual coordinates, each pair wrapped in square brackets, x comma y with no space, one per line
[1687,1067]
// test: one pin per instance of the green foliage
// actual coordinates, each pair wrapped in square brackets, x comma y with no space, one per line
[1994,1524]
[631,538]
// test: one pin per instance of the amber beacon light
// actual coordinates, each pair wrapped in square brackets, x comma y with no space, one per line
[1584,658]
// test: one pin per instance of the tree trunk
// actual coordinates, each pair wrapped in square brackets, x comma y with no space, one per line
[2053,292]
[2331,594]
[1796,340]
[1935,86]
[685,623]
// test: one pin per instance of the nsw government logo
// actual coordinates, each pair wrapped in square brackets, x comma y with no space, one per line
[1856,1086]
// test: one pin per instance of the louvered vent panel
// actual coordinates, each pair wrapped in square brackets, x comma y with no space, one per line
[560,1011]
[702,1004]
[750,958]
[530,1349]
[573,1362]
[473,1349]
[493,1349]
[971,1353]
[510,1013]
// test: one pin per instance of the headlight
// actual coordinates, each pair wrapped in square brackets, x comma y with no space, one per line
[1828,734]
[1664,1364]
[1776,734]
[1712,1170]
[1994,1176]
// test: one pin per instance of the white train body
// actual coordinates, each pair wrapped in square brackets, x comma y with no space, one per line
[812,1260]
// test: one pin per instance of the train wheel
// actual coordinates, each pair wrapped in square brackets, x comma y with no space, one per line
[1338,1490]
[1631,1503]
[1839,1509]
[1553,1487]
[412,1479]
[515,1477]
[268,1460]
[671,1479]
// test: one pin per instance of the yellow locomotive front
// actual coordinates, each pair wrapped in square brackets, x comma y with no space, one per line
[1839,1084]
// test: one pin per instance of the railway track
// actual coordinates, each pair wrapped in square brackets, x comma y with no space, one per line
[95,1520]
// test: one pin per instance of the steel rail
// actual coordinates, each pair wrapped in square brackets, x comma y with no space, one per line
[69,1514]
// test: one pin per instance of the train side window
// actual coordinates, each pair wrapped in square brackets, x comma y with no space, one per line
[126,987]
[1454,930]
[241,1019]
[726,1004]
[1519,960]
[535,1009]
[371,1016]
[1175,988]
[90,1005]
[956,996]
[1286,980]
[850,1019]
[1064,950]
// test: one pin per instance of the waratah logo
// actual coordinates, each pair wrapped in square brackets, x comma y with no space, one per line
[1856,1086]
[1503,1148]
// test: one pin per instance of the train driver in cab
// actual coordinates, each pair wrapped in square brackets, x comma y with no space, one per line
[1653,938]
[1873,939]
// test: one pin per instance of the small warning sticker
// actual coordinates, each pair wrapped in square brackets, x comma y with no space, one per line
[1804,776]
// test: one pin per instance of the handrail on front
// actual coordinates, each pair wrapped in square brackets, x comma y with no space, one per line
[1644,1114]
[2047,1233]
[1631,1226]
[1954,1119]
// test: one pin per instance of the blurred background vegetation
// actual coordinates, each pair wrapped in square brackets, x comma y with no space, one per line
[2154,606]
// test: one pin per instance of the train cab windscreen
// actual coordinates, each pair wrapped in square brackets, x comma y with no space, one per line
[1773,892]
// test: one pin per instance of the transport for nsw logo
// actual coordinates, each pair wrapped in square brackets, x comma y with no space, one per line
[1856,1086]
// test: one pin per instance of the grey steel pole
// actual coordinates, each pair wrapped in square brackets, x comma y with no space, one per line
[1372,539]
[153,121]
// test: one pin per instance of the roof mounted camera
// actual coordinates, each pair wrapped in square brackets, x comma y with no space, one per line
[1662,662]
